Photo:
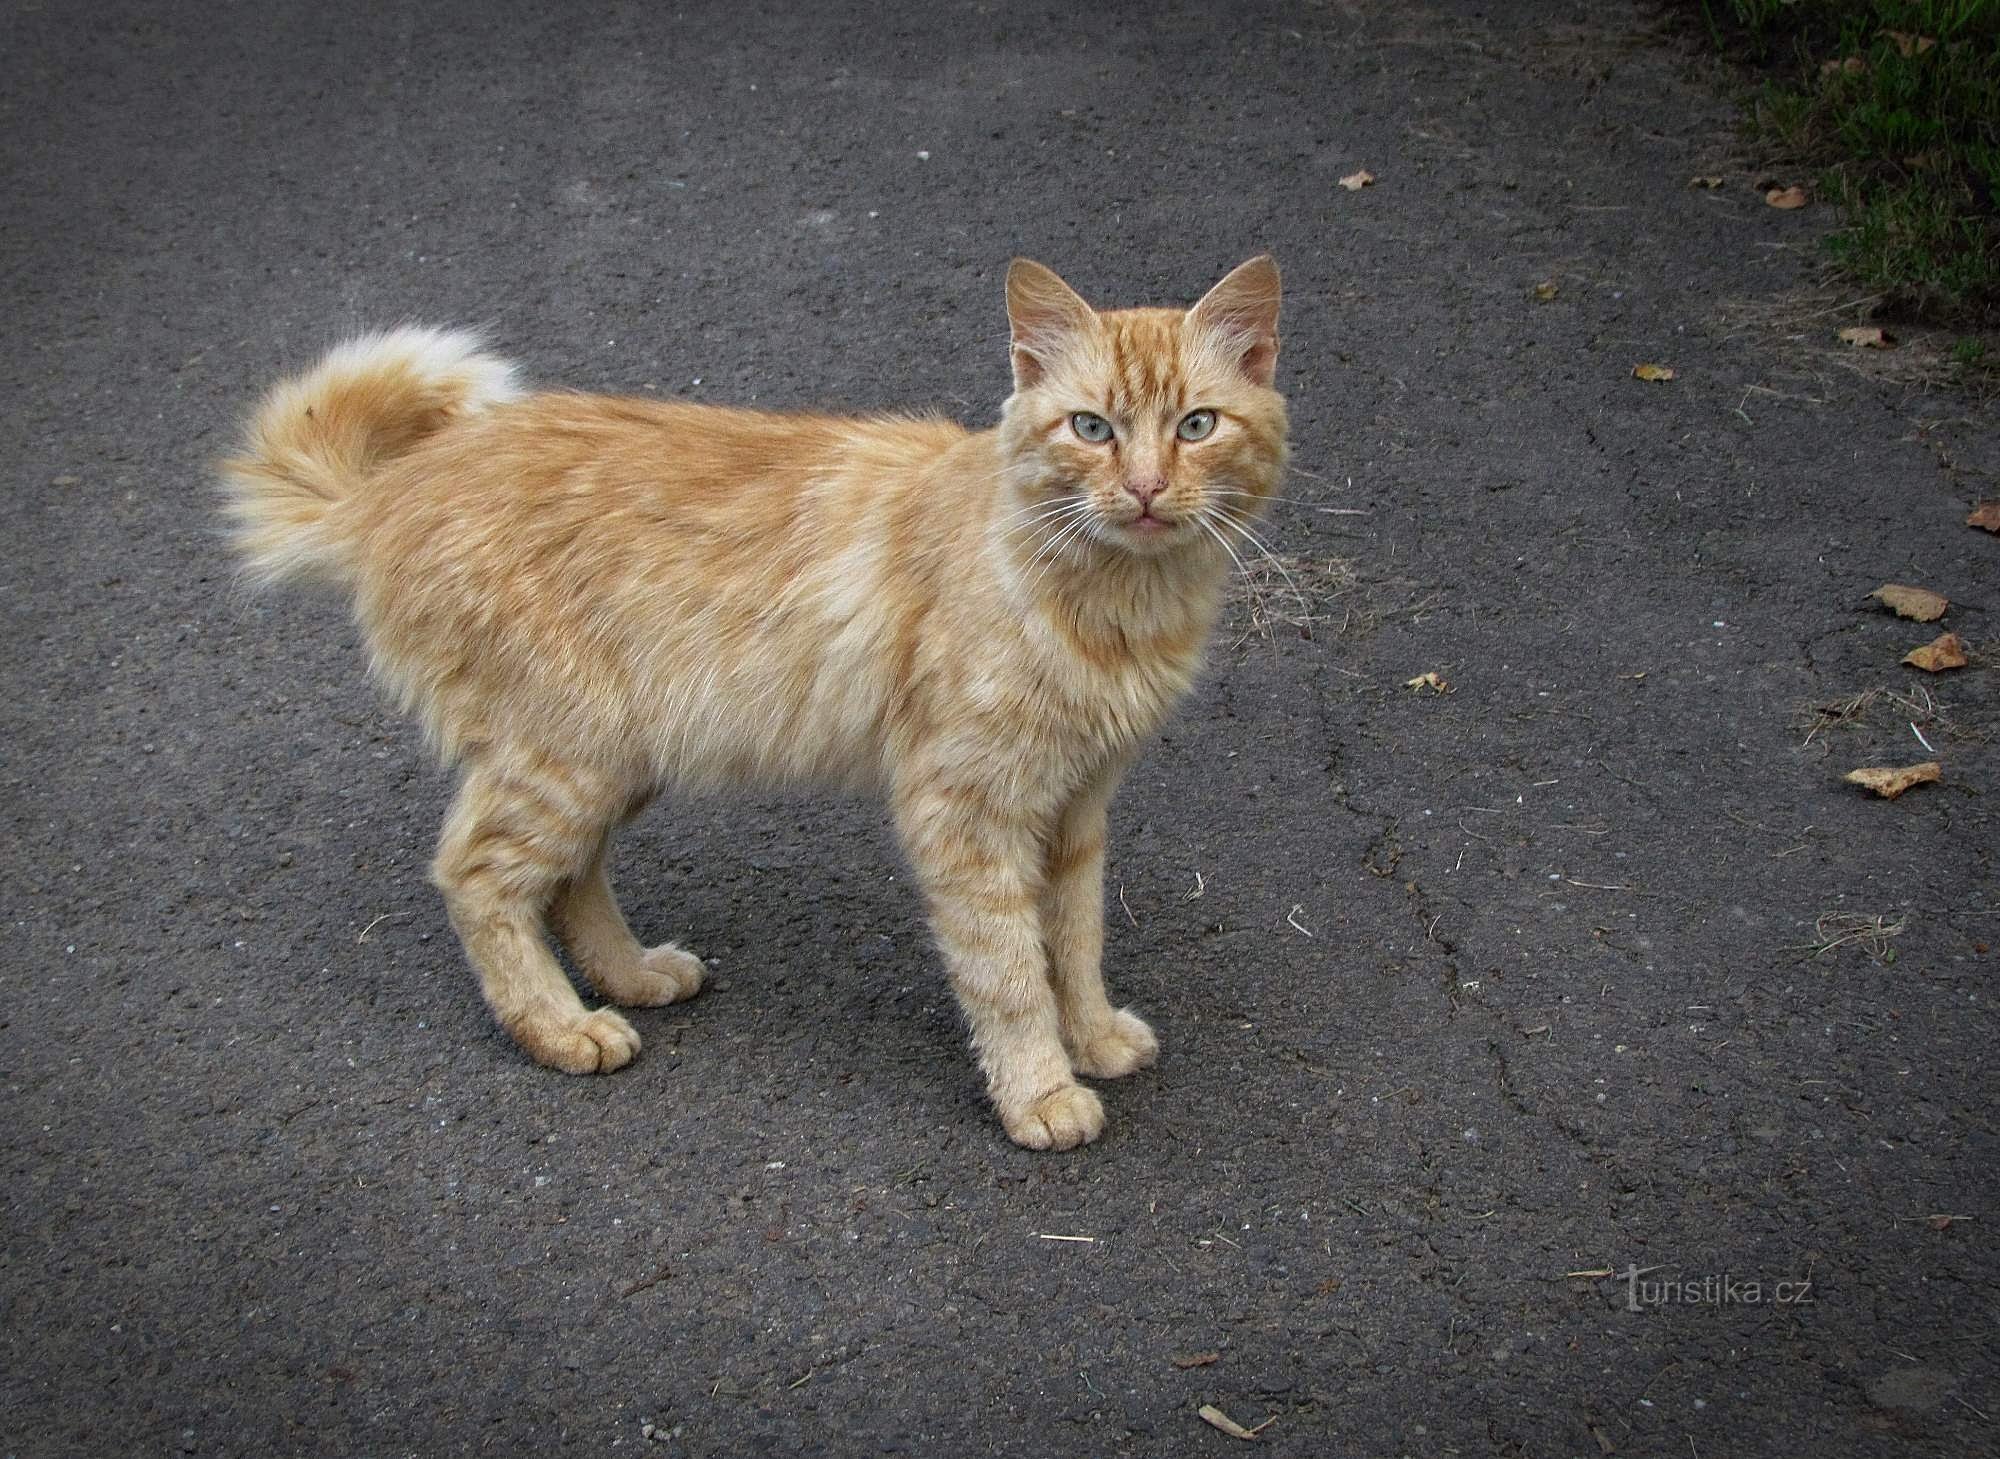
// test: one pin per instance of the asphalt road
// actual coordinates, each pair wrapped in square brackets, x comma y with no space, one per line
[1469,1001]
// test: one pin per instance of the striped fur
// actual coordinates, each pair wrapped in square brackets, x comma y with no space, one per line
[585,600]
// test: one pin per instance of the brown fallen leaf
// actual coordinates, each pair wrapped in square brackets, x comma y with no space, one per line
[1355,181]
[1946,651]
[1652,372]
[1706,181]
[1787,198]
[1920,604]
[1890,781]
[1868,337]
[1546,291]
[1196,1360]
[1987,515]
[1430,680]
[1216,1418]
[1908,44]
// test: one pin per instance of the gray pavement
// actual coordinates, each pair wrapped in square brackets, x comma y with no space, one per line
[1468,1001]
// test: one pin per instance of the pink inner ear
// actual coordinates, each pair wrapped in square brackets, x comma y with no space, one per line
[1243,310]
[1028,370]
[1044,315]
[1260,361]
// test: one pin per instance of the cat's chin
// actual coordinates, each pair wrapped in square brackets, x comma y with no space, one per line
[1150,536]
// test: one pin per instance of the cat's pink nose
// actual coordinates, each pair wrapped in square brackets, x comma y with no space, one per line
[1145,491]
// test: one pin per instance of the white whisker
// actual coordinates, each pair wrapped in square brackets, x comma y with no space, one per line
[1221,514]
[1069,533]
[1221,541]
[1043,530]
[1042,511]
[1290,501]
[1058,536]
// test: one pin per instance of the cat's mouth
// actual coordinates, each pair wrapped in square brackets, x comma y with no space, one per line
[1150,528]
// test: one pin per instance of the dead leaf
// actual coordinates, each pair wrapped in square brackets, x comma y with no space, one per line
[1920,604]
[1946,651]
[1355,181]
[1987,515]
[1868,337]
[1909,44]
[1787,197]
[1430,680]
[1889,781]
[1197,1360]
[1546,291]
[1216,1418]
[1652,372]
[1706,181]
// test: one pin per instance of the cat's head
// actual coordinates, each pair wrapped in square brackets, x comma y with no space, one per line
[1143,431]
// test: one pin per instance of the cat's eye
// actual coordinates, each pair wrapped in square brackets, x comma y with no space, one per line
[1092,428]
[1195,425]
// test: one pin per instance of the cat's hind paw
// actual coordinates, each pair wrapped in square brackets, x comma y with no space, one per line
[577,1043]
[1121,1044]
[1062,1119]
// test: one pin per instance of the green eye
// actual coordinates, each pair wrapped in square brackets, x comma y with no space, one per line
[1092,428]
[1195,425]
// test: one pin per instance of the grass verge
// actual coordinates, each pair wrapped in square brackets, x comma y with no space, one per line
[1895,105]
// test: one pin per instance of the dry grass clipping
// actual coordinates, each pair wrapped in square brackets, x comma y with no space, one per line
[1916,707]
[1285,591]
[1803,326]
[1835,930]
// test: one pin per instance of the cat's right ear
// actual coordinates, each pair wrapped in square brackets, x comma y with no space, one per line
[1045,316]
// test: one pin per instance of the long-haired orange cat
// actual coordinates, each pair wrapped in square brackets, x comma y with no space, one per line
[588,600]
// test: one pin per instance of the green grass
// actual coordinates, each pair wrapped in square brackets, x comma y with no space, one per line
[1896,105]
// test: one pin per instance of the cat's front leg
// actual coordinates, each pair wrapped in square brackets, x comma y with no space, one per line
[1105,1042]
[981,868]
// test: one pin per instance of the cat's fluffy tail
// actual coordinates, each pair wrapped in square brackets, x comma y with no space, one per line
[316,438]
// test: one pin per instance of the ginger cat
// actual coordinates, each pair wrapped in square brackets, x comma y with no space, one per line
[587,600]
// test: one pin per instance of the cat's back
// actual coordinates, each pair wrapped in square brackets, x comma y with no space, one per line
[612,452]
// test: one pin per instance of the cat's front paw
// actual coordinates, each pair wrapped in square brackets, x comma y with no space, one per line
[1062,1119]
[577,1043]
[666,974]
[1116,1047]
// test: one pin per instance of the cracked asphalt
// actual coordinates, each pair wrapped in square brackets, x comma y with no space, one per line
[1505,1106]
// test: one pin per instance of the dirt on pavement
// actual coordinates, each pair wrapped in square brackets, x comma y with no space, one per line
[1565,1064]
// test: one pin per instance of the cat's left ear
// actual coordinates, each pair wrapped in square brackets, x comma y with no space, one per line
[1241,312]
[1045,316]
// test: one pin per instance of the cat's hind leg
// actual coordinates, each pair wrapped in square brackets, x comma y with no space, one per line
[522,825]
[594,931]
